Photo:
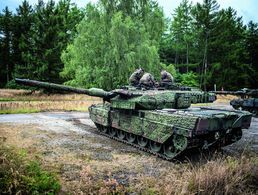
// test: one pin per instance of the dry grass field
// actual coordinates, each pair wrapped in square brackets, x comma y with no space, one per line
[225,98]
[23,101]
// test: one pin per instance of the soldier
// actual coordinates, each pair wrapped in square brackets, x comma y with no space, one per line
[166,79]
[147,81]
[135,77]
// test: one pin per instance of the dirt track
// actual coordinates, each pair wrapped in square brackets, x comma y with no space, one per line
[68,143]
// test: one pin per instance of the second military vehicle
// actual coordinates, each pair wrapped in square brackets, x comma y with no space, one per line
[159,121]
[248,100]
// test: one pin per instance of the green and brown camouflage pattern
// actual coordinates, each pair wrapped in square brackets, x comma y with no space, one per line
[160,125]
[158,120]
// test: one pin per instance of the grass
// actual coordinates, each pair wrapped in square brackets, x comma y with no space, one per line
[225,98]
[220,175]
[23,101]
[19,175]
[19,111]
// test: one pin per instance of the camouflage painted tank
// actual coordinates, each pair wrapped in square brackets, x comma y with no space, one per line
[248,100]
[196,94]
[159,121]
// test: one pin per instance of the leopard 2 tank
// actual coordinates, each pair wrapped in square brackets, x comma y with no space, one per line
[158,121]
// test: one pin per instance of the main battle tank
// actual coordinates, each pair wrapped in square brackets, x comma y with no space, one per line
[159,121]
[247,102]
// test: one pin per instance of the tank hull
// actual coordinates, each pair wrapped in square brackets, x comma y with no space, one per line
[168,132]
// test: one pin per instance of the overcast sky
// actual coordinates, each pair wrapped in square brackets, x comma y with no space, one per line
[246,8]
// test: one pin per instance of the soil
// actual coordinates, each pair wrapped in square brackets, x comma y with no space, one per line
[68,144]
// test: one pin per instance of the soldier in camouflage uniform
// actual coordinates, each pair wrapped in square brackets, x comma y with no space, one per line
[147,81]
[135,77]
[166,79]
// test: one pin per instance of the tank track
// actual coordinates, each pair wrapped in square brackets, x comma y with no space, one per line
[216,144]
[136,145]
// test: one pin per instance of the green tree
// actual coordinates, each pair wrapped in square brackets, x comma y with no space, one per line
[6,34]
[32,40]
[251,46]
[54,29]
[23,44]
[181,30]
[205,20]
[113,39]
[229,52]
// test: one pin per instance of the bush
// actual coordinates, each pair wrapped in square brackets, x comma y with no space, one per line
[22,176]
[189,79]
[221,175]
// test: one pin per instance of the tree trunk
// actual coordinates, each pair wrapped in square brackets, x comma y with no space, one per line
[176,57]
[187,57]
[7,72]
[205,62]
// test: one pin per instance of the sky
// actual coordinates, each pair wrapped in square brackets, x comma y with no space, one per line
[248,9]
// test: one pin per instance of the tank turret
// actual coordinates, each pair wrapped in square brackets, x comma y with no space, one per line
[124,98]
[159,121]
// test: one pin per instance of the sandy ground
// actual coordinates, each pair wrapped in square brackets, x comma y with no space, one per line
[68,144]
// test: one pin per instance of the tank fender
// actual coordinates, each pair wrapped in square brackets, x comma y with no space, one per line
[242,121]
[161,132]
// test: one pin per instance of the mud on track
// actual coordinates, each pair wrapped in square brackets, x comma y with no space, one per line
[68,144]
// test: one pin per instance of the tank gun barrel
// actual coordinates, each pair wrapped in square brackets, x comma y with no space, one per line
[91,92]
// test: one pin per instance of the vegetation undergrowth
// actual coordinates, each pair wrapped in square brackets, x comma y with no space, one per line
[35,110]
[222,175]
[20,175]
[19,111]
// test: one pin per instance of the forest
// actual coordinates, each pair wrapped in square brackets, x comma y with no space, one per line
[101,44]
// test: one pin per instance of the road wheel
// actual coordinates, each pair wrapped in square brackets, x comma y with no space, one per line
[155,146]
[112,132]
[130,137]
[103,129]
[142,141]
[169,150]
[236,135]
[121,134]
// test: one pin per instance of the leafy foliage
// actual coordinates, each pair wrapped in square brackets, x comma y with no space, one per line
[33,38]
[217,43]
[102,44]
[189,79]
[110,46]
[19,175]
